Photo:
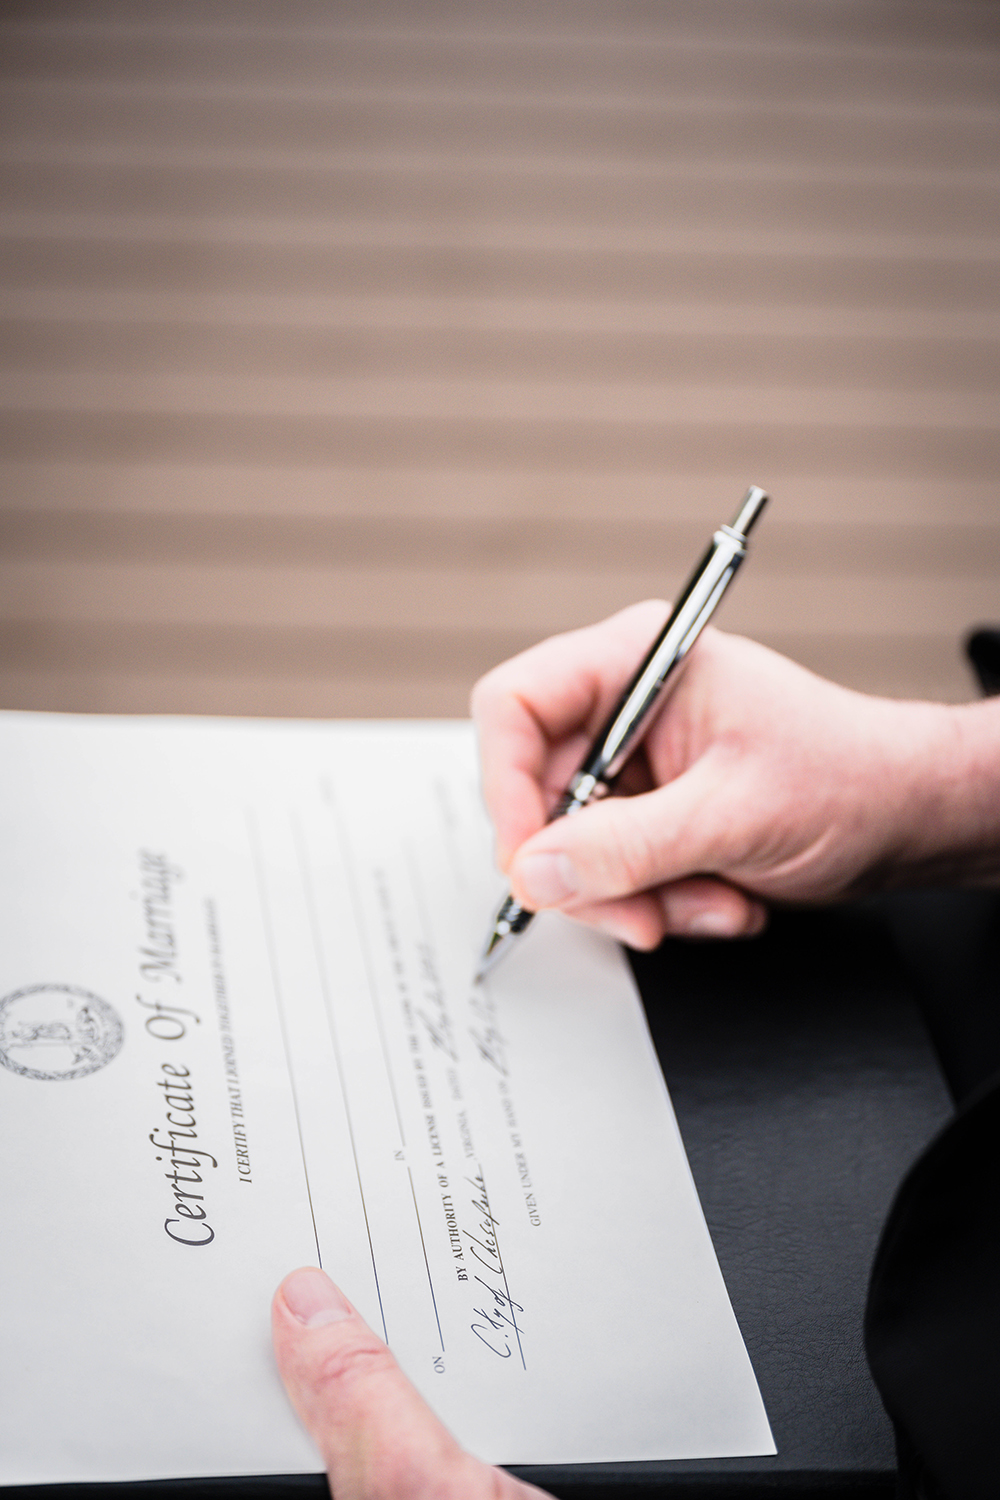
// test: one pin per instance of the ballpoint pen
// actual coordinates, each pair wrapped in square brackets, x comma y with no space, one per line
[635,710]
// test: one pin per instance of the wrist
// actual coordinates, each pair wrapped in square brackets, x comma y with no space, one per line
[948,794]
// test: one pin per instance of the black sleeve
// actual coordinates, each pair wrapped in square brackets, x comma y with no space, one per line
[932,1327]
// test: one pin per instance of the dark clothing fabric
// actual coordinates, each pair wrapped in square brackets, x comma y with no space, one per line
[932,1327]
[950,944]
[983,651]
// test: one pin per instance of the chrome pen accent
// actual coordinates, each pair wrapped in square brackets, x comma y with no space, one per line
[635,710]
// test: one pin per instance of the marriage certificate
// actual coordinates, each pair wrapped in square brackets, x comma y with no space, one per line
[239,1033]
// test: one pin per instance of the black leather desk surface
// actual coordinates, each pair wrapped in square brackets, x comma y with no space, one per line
[804,1085]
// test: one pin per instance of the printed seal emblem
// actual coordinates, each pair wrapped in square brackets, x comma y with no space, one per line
[56,1031]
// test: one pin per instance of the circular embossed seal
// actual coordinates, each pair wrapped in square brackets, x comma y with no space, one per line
[57,1031]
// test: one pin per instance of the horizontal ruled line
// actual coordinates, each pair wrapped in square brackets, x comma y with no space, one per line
[454,98]
[174,488]
[523,315]
[496,402]
[513,538]
[532,601]
[582,38]
[461,162]
[785,243]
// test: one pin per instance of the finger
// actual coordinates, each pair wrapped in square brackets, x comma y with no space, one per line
[696,908]
[378,1438]
[636,921]
[345,1385]
[625,845]
[705,908]
[535,715]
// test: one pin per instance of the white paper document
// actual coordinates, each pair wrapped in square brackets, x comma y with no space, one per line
[239,1034]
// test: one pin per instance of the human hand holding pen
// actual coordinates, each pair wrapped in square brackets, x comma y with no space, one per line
[641,697]
[758,782]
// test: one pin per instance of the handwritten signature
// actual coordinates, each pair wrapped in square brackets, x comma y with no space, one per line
[436,1019]
[490,1042]
[495,1323]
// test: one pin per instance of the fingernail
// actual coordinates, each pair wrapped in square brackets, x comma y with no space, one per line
[546,879]
[312,1298]
[709,923]
[688,916]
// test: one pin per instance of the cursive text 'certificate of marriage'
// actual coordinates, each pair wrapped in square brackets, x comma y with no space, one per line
[239,1035]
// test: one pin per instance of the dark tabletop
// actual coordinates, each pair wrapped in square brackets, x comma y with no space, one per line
[805,1085]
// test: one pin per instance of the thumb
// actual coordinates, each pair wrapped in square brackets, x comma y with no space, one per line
[378,1438]
[624,845]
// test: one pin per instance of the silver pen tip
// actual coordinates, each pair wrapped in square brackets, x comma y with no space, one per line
[491,953]
[499,940]
[511,919]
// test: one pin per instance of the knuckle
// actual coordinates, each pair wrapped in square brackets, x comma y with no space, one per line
[351,1364]
[493,692]
[483,693]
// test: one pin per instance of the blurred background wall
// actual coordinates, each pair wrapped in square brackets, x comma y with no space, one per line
[349,347]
